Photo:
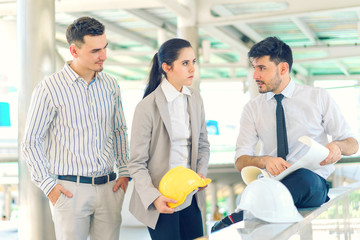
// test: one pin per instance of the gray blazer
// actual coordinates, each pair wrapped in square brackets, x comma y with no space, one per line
[150,151]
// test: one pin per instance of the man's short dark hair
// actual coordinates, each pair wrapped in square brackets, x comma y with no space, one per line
[81,27]
[273,47]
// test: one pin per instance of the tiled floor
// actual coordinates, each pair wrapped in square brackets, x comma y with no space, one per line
[134,233]
[10,232]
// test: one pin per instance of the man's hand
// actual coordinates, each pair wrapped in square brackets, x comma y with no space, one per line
[55,193]
[334,154]
[121,182]
[161,204]
[275,165]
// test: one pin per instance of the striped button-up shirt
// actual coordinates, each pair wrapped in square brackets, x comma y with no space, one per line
[75,128]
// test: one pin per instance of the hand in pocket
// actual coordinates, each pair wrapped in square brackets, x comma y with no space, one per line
[56,192]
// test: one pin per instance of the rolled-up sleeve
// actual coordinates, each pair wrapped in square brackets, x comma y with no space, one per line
[248,136]
[333,122]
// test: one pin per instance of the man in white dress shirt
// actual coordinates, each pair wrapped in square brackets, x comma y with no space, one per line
[305,110]
[75,134]
[308,111]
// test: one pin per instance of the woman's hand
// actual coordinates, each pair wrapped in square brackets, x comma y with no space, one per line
[161,204]
[203,177]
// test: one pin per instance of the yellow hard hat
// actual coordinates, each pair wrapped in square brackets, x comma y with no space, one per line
[178,182]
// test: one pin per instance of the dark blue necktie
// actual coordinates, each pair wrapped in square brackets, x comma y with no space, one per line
[282,143]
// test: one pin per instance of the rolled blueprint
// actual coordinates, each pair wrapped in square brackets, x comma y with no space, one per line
[311,160]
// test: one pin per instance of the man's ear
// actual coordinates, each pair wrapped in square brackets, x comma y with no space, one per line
[74,50]
[166,68]
[284,68]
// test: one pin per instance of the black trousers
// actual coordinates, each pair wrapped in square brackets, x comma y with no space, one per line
[182,225]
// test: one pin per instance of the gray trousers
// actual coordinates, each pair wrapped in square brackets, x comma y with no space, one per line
[94,211]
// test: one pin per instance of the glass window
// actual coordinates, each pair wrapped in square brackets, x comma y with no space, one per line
[223,103]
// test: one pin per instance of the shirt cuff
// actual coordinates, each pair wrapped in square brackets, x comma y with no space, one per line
[47,185]
[123,172]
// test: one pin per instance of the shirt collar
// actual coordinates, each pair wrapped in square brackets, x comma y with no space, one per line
[171,92]
[287,92]
[72,76]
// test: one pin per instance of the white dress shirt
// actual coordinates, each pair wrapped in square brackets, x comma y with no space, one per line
[75,128]
[309,111]
[180,127]
[180,124]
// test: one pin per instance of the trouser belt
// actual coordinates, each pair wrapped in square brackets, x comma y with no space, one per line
[89,180]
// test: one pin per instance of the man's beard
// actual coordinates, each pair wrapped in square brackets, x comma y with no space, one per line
[276,80]
[99,70]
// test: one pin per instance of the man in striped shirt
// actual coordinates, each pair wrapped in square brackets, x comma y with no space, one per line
[74,137]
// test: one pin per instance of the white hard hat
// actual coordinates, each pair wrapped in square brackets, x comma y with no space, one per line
[252,173]
[270,201]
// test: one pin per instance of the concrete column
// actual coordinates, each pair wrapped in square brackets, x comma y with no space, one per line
[7,201]
[253,88]
[60,61]
[231,199]
[188,30]
[8,66]
[213,192]
[206,48]
[161,36]
[36,57]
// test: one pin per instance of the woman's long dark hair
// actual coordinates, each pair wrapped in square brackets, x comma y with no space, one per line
[168,53]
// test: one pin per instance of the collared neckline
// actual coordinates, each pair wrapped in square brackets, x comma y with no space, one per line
[171,92]
[287,92]
[73,77]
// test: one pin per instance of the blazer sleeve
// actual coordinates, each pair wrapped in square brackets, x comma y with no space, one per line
[141,133]
[204,145]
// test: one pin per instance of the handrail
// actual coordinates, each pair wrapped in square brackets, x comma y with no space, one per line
[336,194]
[258,229]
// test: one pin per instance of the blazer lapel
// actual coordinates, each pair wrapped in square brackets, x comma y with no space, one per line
[193,126]
[162,105]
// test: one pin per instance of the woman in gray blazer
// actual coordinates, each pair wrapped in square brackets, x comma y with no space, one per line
[168,130]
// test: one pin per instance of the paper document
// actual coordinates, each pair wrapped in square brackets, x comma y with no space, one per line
[311,160]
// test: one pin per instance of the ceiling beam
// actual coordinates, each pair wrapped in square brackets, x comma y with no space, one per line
[249,32]
[243,27]
[333,53]
[301,72]
[177,8]
[117,29]
[221,35]
[306,30]
[343,68]
[295,9]
[240,64]
[68,6]
[336,77]
[332,50]
[155,21]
